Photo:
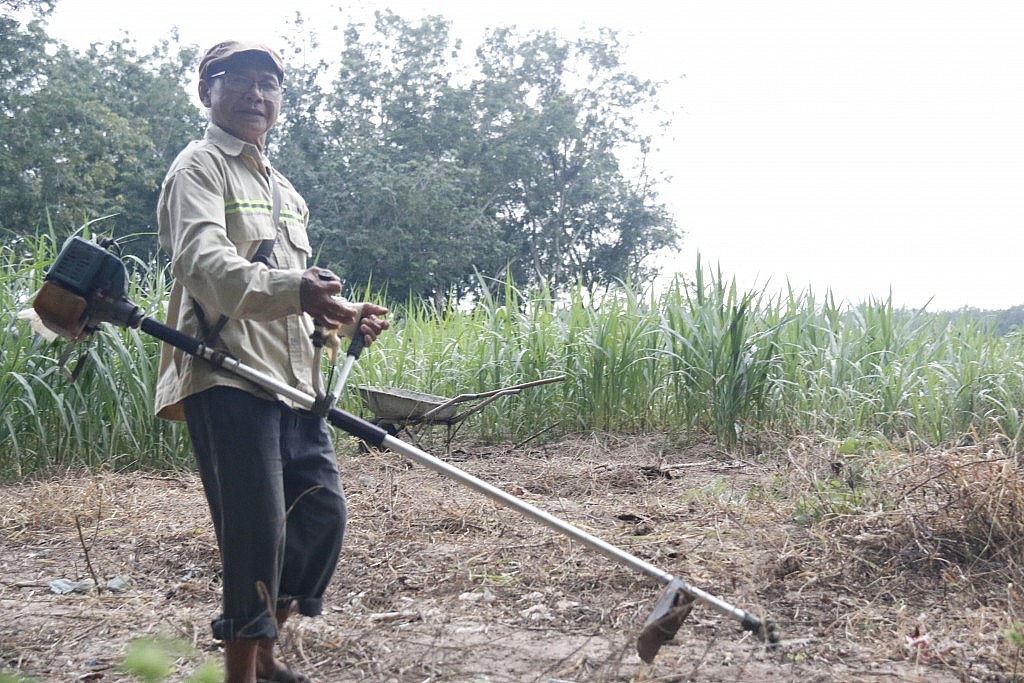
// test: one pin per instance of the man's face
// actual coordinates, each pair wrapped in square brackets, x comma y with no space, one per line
[241,99]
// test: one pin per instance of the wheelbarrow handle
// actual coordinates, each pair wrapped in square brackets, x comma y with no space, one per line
[534,383]
[479,406]
[490,395]
[505,390]
[461,398]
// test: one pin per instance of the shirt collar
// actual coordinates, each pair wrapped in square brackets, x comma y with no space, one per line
[231,145]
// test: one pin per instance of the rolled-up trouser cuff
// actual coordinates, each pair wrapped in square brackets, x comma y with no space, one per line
[252,629]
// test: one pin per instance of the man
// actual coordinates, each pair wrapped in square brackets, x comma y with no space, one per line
[235,230]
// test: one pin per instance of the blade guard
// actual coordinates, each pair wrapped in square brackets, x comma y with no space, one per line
[669,613]
[673,606]
[62,311]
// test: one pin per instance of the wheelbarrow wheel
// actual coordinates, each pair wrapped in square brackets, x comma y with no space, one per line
[390,427]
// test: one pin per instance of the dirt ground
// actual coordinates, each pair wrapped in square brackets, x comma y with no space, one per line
[439,583]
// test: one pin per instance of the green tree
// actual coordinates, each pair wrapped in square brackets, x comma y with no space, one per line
[298,142]
[556,120]
[422,166]
[88,134]
[395,204]
[23,60]
[424,175]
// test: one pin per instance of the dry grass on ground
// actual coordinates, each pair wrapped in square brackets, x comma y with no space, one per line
[911,573]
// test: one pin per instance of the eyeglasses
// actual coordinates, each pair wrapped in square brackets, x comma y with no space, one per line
[240,85]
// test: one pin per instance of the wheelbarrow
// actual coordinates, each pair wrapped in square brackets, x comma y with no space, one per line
[395,409]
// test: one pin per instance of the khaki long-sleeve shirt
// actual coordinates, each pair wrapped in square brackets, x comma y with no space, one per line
[215,208]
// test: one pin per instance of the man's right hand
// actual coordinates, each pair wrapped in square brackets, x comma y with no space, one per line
[316,296]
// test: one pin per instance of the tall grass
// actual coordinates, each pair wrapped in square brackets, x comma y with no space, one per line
[103,418]
[699,357]
[723,347]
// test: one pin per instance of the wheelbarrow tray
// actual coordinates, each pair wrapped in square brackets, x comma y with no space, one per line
[390,403]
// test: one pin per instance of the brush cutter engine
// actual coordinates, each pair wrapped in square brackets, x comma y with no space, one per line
[86,285]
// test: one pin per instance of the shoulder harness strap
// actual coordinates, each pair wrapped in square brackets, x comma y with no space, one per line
[262,255]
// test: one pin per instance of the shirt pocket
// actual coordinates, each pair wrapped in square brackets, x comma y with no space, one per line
[293,225]
[248,220]
[248,223]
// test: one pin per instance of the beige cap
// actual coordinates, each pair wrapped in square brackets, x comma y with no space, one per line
[231,49]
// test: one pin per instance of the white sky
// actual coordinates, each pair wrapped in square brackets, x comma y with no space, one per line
[857,146]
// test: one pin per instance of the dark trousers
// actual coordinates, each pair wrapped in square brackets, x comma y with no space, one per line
[271,481]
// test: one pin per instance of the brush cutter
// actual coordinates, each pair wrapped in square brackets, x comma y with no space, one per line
[86,286]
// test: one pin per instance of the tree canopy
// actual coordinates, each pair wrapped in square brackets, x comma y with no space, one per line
[424,166]
[90,134]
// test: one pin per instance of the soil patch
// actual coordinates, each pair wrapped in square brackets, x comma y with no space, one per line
[438,583]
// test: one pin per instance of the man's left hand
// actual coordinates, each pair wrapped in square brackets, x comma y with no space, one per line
[370,325]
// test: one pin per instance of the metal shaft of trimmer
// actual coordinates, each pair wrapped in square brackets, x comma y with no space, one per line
[380,438]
